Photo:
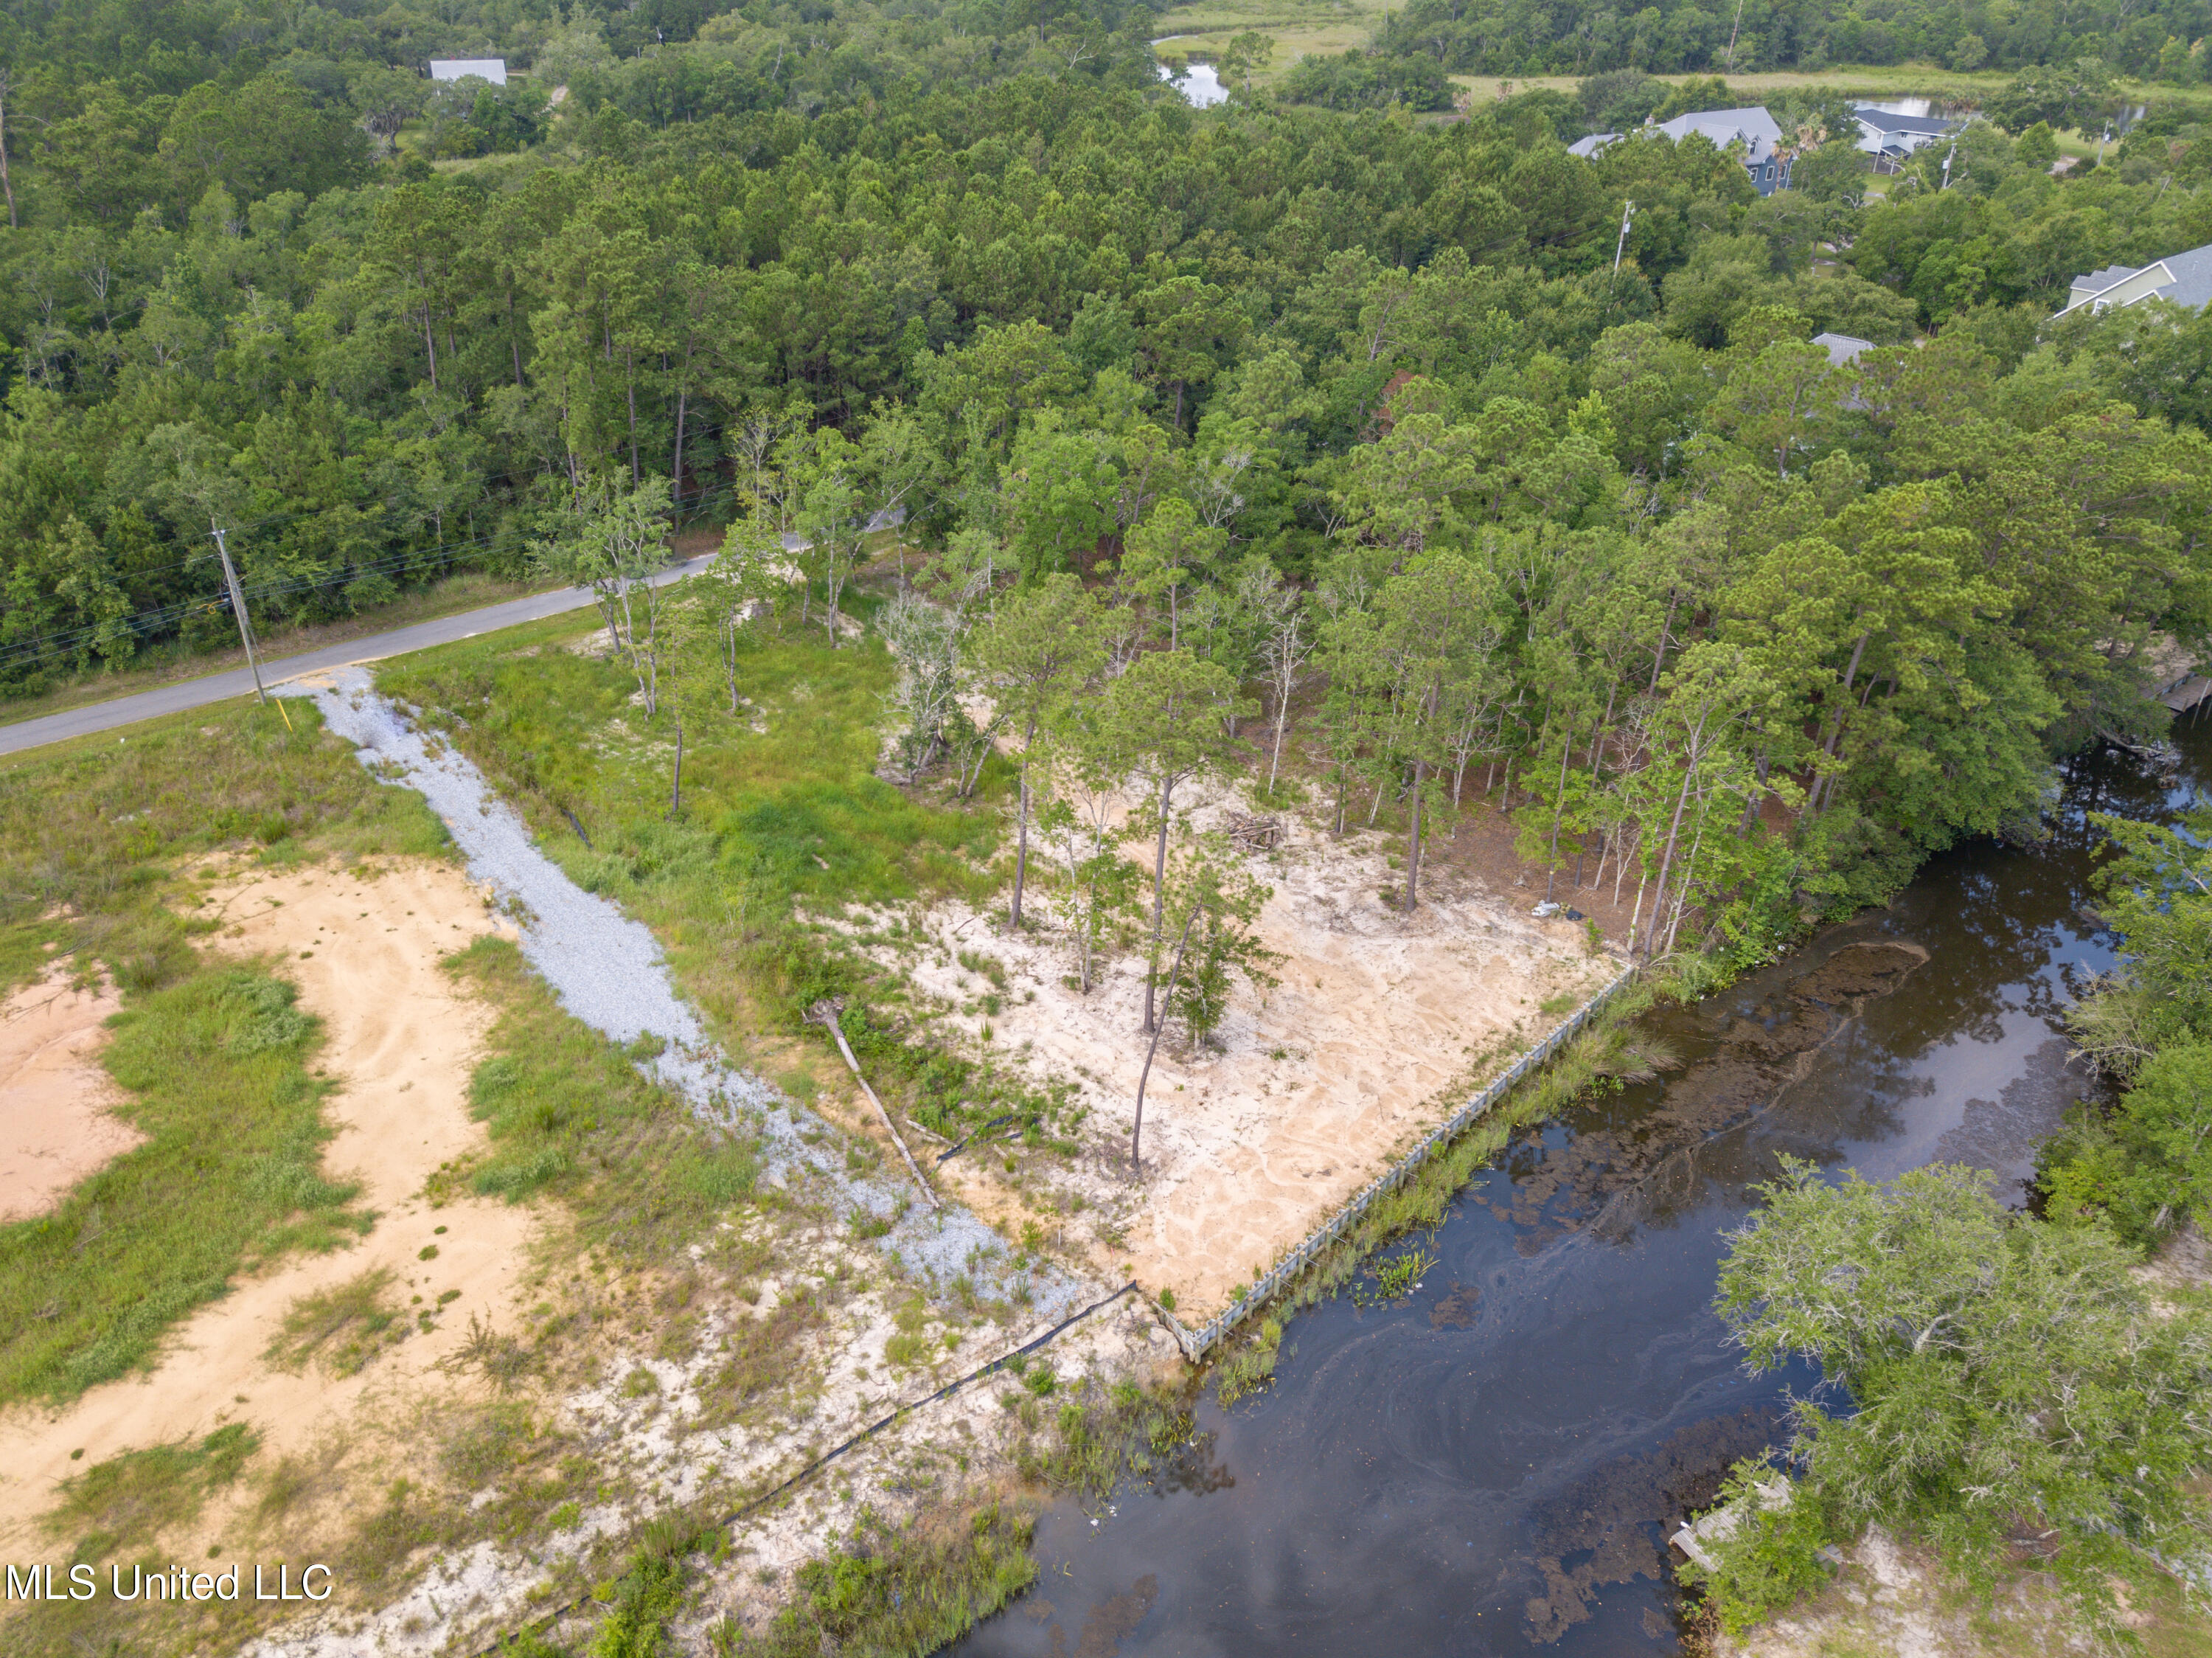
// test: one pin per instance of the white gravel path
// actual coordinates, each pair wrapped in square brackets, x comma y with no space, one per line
[608,971]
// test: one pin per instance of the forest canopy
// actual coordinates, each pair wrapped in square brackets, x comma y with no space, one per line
[990,272]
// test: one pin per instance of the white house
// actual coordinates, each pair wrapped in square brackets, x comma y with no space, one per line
[492,70]
[1890,139]
[2184,279]
[1752,128]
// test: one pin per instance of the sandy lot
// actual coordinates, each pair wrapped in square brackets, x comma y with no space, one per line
[55,1100]
[1315,1087]
[364,953]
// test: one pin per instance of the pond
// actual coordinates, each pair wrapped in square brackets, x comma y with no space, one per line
[1495,1464]
[1198,84]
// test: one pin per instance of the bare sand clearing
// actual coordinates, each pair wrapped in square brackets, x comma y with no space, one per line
[55,1121]
[402,1039]
[1316,1087]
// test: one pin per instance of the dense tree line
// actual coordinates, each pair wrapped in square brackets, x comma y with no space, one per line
[1067,325]
[1523,37]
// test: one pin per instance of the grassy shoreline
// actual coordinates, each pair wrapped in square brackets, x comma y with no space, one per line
[1246,1361]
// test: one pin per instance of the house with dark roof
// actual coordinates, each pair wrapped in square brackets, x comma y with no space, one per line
[1754,129]
[2184,279]
[1891,139]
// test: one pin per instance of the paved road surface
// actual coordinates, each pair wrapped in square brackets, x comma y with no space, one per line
[239,682]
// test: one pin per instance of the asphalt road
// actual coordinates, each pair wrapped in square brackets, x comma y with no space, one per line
[239,682]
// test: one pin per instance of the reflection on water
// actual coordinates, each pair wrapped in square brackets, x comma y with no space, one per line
[1495,1463]
[1198,84]
[1940,107]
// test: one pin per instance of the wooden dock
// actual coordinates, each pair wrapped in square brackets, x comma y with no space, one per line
[2186,693]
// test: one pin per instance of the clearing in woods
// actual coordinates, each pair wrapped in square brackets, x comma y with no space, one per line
[503,1302]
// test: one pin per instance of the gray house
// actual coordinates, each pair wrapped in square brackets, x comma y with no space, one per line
[2184,279]
[1752,128]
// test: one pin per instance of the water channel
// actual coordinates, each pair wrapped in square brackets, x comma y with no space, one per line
[1493,1465]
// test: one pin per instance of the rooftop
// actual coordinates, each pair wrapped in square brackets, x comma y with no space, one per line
[2188,280]
[492,70]
[1751,126]
[1886,121]
[2097,281]
[1842,348]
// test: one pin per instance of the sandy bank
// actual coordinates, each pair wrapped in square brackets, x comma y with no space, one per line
[402,1039]
[55,1121]
[1315,1086]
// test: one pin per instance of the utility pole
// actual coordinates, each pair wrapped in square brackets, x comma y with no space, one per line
[2102,142]
[1621,246]
[238,607]
[1947,154]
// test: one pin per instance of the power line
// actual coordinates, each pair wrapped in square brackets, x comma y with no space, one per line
[51,646]
[238,609]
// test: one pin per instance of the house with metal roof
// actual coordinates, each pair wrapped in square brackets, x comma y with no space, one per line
[1752,128]
[1589,146]
[1890,139]
[1842,348]
[2184,279]
[492,70]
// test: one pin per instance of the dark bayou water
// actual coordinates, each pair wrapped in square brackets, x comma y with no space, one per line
[1493,1465]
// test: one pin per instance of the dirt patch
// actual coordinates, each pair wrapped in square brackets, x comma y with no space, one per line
[2183,1262]
[364,951]
[1314,1088]
[56,1103]
[1891,1598]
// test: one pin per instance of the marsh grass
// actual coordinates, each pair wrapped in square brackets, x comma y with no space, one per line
[1101,1439]
[230,1175]
[1251,1364]
[904,1590]
[1609,1049]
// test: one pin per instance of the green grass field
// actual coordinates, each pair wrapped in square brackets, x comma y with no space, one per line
[781,798]
[1299,29]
